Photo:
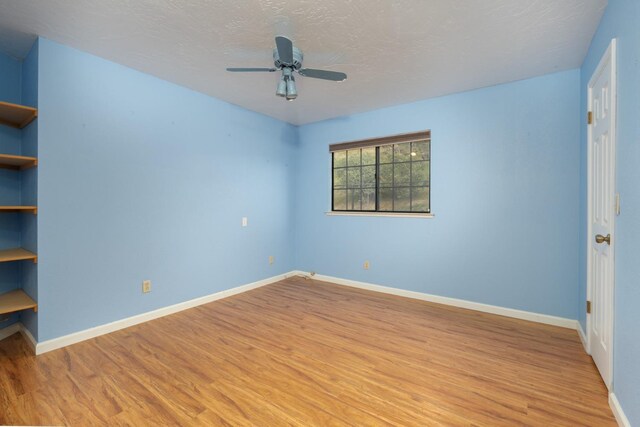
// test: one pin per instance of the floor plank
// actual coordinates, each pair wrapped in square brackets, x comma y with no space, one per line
[301,353]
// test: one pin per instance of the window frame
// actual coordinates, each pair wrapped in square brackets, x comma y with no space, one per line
[377,143]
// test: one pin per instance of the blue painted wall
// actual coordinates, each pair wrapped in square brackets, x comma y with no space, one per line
[142,179]
[29,189]
[621,21]
[10,81]
[505,194]
[10,85]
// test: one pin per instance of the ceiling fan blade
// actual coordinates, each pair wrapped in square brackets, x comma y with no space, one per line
[335,76]
[245,70]
[285,50]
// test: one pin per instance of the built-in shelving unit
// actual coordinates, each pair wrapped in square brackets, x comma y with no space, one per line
[17,300]
[8,161]
[17,116]
[17,254]
[26,209]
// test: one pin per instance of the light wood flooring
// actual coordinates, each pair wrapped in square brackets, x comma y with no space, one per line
[305,353]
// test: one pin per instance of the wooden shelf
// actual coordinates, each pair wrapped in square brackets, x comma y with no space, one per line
[17,116]
[17,254]
[8,161]
[16,301]
[25,209]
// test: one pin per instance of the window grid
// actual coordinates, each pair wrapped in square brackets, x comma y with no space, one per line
[351,193]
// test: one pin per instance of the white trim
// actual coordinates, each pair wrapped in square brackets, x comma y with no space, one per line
[621,418]
[389,214]
[610,56]
[470,305]
[76,337]
[9,330]
[19,327]
[583,337]
[26,333]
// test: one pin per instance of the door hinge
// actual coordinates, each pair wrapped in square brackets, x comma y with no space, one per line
[588,307]
[589,118]
[617,203]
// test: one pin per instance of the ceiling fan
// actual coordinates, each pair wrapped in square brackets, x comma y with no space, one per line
[288,59]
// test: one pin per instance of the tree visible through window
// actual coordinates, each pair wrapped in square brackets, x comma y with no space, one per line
[383,175]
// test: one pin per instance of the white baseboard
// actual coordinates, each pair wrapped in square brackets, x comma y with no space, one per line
[19,327]
[621,418]
[76,337]
[10,330]
[486,308]
[30,339]
[583,338]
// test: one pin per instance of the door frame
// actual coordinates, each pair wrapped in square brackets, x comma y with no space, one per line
[609,56]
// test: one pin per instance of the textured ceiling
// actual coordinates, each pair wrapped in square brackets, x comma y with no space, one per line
[394,51]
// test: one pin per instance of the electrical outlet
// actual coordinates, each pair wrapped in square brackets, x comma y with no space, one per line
[245,221]
[146,286]
[271,259]
[366,265]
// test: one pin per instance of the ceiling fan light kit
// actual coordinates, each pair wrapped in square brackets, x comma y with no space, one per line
[292,92]
[288,59]
[282,87]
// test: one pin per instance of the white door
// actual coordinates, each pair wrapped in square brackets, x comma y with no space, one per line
[602,210]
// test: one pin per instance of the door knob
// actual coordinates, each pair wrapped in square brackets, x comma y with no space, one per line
[601,239]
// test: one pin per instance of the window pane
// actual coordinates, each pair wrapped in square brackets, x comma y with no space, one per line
[353,158]
[369,156]
[353,176]
[401,201]
[340,178]
[402,174]
[389,178]
[369,199]
[420,173]
[402,152]
[353,200]
[419,151]
[339,159]
[368,176]
[339,199]
[386,154]
[386,175]
[420,199]
[385,199]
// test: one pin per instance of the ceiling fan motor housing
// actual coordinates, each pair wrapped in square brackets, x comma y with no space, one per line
[297,59]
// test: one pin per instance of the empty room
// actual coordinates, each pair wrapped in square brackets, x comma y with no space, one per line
[313,213]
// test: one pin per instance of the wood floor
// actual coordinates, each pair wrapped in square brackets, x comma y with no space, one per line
[305,353]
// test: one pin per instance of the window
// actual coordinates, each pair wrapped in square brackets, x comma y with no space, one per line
[388,174]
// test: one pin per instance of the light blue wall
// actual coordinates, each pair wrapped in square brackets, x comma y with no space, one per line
[29,189]
[10,83]
[621,20]
[505,184]
[10,79]
[142,179]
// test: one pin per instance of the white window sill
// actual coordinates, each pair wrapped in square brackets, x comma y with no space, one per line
[389,214]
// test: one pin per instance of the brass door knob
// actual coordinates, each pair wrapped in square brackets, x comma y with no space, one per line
[601,239]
